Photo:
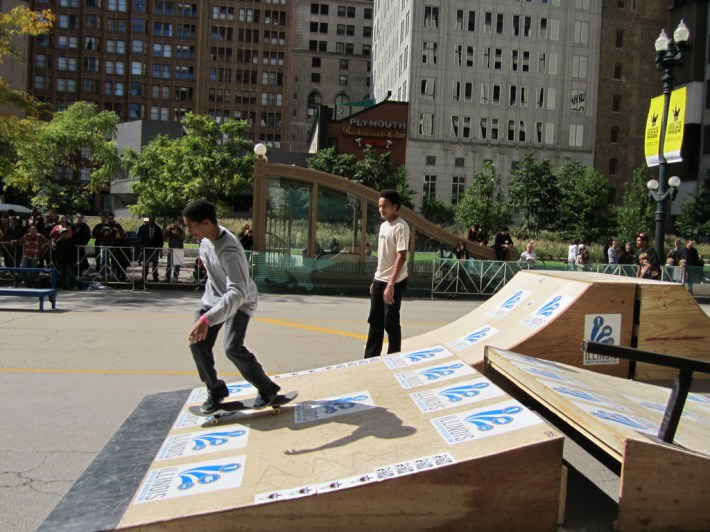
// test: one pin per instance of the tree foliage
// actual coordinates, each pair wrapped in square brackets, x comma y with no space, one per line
[439,212]
[636,213]
[211,160]
[534,191]
[583,210]
[66,159]
[374,170]
[483,202]
[694,218]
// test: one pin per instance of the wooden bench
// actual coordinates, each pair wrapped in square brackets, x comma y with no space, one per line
[40,293]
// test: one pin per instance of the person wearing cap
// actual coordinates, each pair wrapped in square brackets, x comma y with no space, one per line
[64,258]
[150,238]
[642,246]
[81,234]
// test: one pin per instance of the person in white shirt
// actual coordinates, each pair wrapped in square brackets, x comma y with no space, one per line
[572,253]
[390,280]
[529,254]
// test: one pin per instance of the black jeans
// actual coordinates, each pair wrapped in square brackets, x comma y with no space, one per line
[234,332]
[383,318]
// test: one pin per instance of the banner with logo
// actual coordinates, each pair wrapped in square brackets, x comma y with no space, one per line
[673,140]
[652,138]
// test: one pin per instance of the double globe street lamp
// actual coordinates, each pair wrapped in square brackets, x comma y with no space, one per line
[669,54]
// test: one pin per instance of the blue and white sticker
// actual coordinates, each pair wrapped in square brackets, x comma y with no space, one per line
[434,374]
[509,304]
[455,395]
[192,479]
[553,374]
[484,422]
[621,419]
[340,405]
[236,390]
[420,356]
[203,442]
[605,329]
[548,311]
[473,338]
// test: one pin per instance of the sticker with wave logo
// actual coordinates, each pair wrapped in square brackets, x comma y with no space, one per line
[341,405]
[548,311]
[484,422]
[429,354]
[434,374]
[511,302]
[473,338]
[192,479]
[202,443]
[605,329]
[458,394]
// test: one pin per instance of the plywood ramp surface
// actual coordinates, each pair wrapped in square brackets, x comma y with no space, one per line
[663,486]
[417,439]
[545,314]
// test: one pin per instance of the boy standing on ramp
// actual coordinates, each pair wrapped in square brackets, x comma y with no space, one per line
[390,280]
[230,298]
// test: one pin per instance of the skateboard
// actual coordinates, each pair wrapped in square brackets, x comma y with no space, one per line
[229,407]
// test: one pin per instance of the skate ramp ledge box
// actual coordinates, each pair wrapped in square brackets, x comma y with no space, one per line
[663,486]
[374,443]
[547,314]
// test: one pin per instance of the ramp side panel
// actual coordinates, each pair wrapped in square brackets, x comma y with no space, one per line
[503,315]
[605,313]
[663,488]
[383,431]
[670,321]
[476,494]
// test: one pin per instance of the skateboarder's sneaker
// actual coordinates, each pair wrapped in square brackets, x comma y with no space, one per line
[212,403]
[264,400]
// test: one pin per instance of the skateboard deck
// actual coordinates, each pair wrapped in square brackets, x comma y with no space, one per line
[229,407]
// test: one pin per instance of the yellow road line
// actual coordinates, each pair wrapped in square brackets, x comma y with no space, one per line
[313,328]
[108,371]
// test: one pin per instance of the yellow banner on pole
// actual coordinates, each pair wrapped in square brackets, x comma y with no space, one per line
[673,140]
[652,138]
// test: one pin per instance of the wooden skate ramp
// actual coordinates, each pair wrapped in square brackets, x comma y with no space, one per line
[414,441]
[663,486]
[547,314]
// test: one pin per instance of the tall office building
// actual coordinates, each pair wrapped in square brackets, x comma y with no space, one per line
[489,80]
[270,62]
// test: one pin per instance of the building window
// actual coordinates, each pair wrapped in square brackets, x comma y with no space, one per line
[619,39]
[614,135]
[458,188]
[616,104]
[429,188]
[342,79]
[430,160]
[426,124]
[617,71]
[613,166]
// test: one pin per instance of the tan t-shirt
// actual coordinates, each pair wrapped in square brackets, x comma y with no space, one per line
[394,237]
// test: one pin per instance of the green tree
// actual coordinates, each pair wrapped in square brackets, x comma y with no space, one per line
[211,160]
[694,217]
[483,202]
[636,213]
[65,160]
[374,170]
[533,190]
[439,212]
[584,210]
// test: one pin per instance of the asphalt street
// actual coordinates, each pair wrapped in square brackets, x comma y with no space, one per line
[69,378]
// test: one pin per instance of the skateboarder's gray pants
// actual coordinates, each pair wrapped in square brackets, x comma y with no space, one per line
[235,329]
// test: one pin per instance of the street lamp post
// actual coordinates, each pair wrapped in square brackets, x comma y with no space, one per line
[669,54]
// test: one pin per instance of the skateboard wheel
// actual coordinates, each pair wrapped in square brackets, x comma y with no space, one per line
[214,421]
[276,411]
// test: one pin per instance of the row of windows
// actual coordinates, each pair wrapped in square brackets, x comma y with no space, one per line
[458,187]
[343,11]
[341,29]
[491,129]
[340,47]
[251,15]
[521,25]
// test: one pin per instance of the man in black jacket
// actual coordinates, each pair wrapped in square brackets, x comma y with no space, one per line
[150,238]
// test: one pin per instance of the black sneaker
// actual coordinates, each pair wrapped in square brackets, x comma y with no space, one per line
[211,404]
[263,400]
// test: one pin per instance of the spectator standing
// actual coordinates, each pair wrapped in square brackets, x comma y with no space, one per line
[246,239]
[502,243]
[33,245]
[81,234]
[642,246]
[675,254]
[64,258]
[390,280]
[572,252]
[626,255]
[461,252]
[150,238]
[99,252]
[613,252]
[583,260]
[690,254]
[647,269]
[175,235]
